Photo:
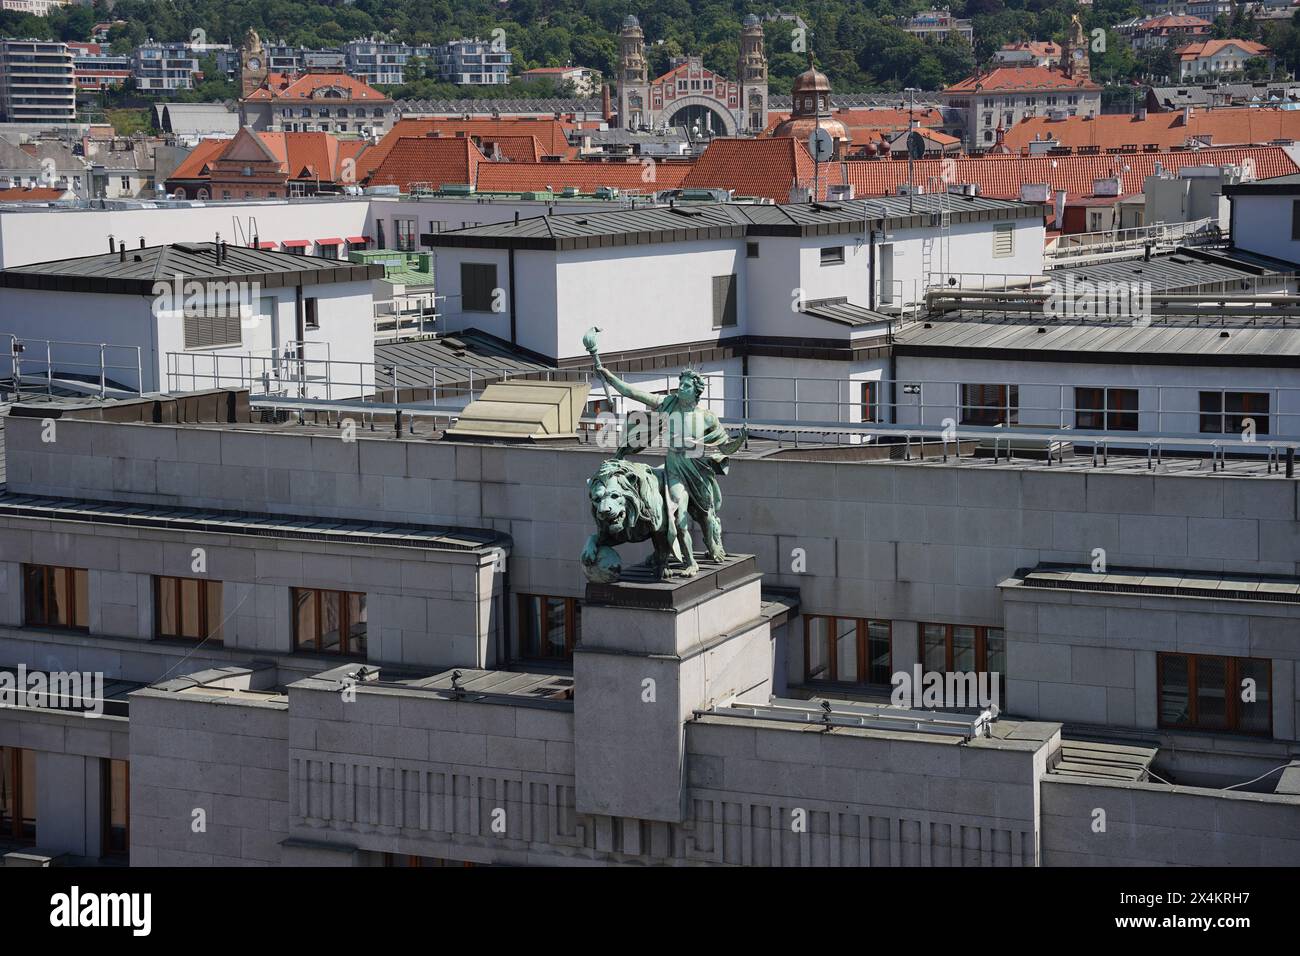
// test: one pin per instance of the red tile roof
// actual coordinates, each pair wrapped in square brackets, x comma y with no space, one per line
[1016,78]
[550,133]
[309,155]
[33,194]
[1206,48]
[755,167]
[1171,21]
[427,159]
[584,176]
[1217,127]
[515,149]
[1000,177]
[203,154]
[1036,47]
[285,86]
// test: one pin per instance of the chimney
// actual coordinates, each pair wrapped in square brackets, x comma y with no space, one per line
[606,107]
[1060,208]
[121,252]
[111,246]
[142,242]
[216,248]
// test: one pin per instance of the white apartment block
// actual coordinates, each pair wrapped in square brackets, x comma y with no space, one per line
[37,83]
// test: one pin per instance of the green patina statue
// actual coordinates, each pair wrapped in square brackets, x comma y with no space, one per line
[633,502]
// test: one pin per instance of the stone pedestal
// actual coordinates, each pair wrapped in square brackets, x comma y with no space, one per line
[652,652]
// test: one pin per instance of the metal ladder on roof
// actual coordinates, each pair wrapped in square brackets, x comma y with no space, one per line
[240,236]
[943,218]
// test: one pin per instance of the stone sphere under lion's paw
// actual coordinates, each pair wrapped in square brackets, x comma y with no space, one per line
[606,568]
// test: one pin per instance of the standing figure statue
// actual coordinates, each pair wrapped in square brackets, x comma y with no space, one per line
[633,502]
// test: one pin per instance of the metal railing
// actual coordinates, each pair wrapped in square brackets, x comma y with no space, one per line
[958,282]
[1068,249]
[404,318]
[37,364]
[1243,417]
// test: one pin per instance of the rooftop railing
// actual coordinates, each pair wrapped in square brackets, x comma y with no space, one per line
[33,366]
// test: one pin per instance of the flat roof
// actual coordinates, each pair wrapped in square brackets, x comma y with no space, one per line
[844,312]
[137,273]
[1184,269]
[689,221]
[1270,343]
[454,355]
[427,537]
[1157,582]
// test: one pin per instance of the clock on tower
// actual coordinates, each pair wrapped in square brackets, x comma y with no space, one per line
[252,63]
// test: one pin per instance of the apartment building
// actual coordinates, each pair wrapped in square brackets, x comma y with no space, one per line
[994,102]
[1214,57]
[158,67]
[37,83]
[938,25]
[473,62]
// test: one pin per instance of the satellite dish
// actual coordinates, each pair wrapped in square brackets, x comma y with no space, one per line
[821,145]
[915,145]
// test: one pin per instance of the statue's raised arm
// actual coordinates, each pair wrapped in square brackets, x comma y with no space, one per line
[616,383]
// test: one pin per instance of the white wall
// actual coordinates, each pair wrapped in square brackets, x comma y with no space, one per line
[1262,224]
[1046,385]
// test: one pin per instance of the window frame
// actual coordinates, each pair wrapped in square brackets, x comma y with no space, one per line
[1111,417]
[980,649]
[572,626]
[74,611]
[981,413]
[831,255]
[1222,397]
[862,645]
[1232,700]
[205,609]
[870,402]
[345,638]
[725,314]
[18,831]
[1007,229]
[109,846]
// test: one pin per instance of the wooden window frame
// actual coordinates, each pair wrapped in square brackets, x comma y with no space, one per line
[572,610]
[862,642]
[981,647]
[70,588]
[205,589]
[1232,700]
[106,847]
[1006,412]
[16,831]
[345,639]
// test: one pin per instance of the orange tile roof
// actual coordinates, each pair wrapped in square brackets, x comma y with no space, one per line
[515,149]
[1036,47]
[1000,177]
[286,86]
[204,153]
[1203,48]
[1017,78]
[426,159]
[755,167]
[584,176]
[1216,127]
[1168,20]
[33,194]
[550,133]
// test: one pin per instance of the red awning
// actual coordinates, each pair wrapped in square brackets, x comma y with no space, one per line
[354,240]
[296,243]
[329,242]
[265,245]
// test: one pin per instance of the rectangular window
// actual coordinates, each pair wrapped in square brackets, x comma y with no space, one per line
[847,650]
[478,283]
[405,234]
[18,795]
[311,313]
[871,402]
[115,813]
[1295,219]
[751,250]
[832,255]
[960,648]
[1004,240]
[1204,692]
[990,404]
[187,609]
[724,301]
[549,627]
[1106,409]
[329,251]
[56,597]
[1228,413]
[329,622]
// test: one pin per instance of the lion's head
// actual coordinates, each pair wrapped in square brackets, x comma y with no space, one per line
[626,500]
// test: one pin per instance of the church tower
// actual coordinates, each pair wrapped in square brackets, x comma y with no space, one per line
[1076,52]
[751,74]
[252,63]
[633,81]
